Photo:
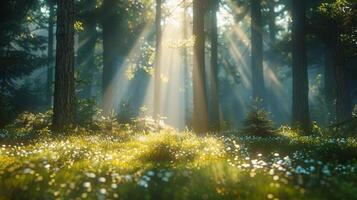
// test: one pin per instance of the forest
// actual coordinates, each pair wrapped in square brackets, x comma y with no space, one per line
[178,99]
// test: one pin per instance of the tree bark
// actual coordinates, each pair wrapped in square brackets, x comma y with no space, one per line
[200,113]
[343,99]
[50,53]
[300,104]
[271,22]
[330,80]
[257,50]
[63,110]
[157,88]
[214,66]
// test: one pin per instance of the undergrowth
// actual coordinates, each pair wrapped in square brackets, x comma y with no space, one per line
[143,160]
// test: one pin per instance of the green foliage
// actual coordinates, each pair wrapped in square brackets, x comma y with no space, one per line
[316,129]
[18,43]
[343,14]
[86,109]
[321,110]
[126,112]
[4,111]
[257,122]
[30,126]
[123,164]
[19,57]
[149,124]
[336,9]
[346,128]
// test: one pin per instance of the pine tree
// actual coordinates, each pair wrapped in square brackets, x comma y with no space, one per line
[257,122]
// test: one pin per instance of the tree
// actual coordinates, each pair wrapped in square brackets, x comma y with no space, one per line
[214,65]
[200,113]
[63,108]
[300,104]
[329,77]
[50,51]
[340,25]
[157,89]
[18,55]
[17,44]
[257,122]
[186,60]
[343,99]
[257,50]
[271,21]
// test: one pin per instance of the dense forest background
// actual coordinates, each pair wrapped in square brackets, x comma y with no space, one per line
[178,99]
[202,63]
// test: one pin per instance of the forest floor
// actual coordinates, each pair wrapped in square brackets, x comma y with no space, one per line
[177,165]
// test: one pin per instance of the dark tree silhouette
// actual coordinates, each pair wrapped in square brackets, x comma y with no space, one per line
[214,65]
[186,61]
[329,74]
[343,99]
[50,51]
[200,113]
[112,58]
[300,105]
[63,110]
[257,50]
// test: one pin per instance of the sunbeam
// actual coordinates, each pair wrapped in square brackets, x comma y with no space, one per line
[172,70]
[117,90]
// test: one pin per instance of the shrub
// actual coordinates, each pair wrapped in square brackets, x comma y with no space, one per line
[85,111]
[149,124]
[257,122]
[125,113]
[4,110]
[28,125]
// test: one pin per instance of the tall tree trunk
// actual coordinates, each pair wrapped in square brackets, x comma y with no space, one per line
[86,51]
[271,22]
[112,59]
[214,65]
[50,53]
[300,104]
[257,50]
[186,62]
[343,99]
[272,36]
[63,110]
[330,80]
[200,113]
[157,89]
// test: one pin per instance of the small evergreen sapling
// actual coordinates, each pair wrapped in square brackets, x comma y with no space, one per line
[257,122]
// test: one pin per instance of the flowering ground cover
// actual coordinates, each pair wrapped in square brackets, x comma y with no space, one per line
[168,164]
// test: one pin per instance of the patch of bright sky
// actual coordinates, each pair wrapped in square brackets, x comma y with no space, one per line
[224,18]
[283,21]
[45,11]
[175,8]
